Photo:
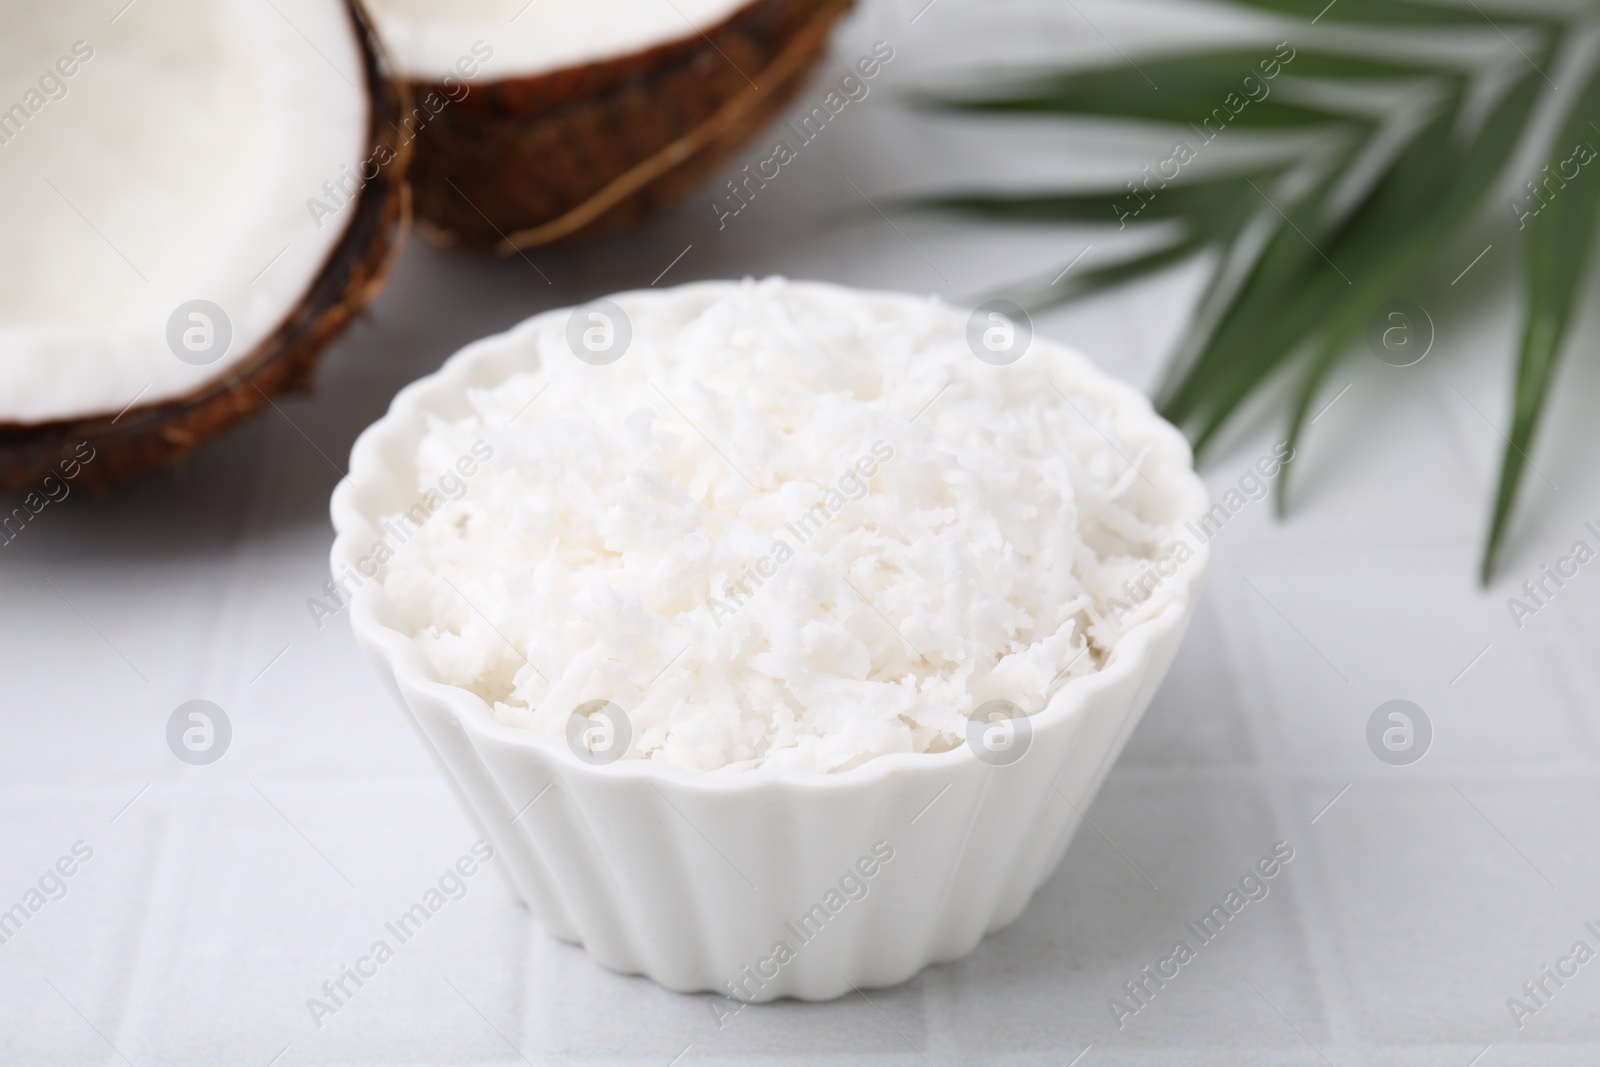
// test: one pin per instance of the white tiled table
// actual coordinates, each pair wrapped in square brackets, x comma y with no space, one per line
[219,898]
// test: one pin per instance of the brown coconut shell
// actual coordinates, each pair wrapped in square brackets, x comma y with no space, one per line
[147,436]
[592,149]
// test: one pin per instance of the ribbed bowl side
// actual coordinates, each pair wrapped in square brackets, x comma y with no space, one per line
[481,796]
[698,888]
[1104,730]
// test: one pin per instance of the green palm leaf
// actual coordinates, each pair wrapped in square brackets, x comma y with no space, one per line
[1561,237]
[1439,205]
[1181,89]
[1316,246]
[1375,12]
[1209,208]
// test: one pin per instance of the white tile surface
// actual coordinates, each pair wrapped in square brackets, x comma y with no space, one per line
[222,897]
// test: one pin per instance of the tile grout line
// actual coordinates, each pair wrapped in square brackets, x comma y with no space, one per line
[167,894]
[1309,908]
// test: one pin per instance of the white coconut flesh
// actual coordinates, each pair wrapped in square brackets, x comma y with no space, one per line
[176,162]
[428,39]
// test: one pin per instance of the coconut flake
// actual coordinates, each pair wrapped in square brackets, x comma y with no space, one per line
[793,526]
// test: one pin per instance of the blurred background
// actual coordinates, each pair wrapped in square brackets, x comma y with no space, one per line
[1433,878]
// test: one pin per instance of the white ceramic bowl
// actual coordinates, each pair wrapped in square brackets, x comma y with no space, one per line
[697,880]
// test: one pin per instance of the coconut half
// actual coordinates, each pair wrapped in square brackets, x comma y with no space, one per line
[195,198]
[539,120]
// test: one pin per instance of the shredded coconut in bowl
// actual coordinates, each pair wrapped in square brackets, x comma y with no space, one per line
[793,526]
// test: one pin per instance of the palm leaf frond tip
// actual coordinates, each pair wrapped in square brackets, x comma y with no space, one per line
[1342,235]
